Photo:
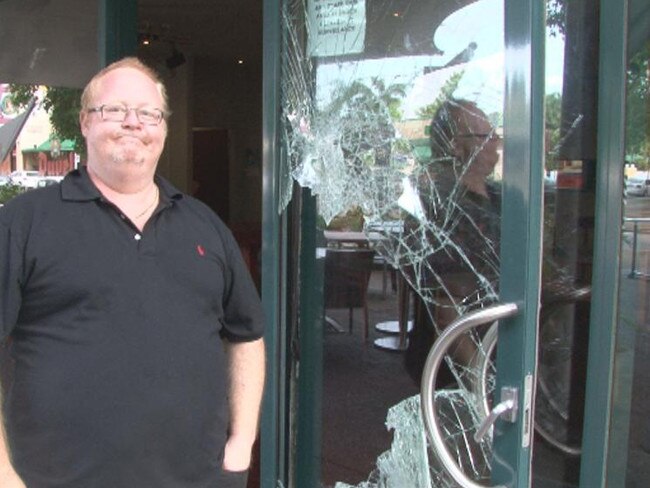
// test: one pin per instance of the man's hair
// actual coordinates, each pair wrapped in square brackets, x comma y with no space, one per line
[446,122]
[90,91]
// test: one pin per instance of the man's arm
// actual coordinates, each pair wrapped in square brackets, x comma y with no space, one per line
[8,476]
[246,371]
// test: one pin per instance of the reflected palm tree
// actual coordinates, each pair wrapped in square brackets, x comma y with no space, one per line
[366,114]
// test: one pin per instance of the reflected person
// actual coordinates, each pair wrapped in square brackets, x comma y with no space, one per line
[460,228]
[135,329]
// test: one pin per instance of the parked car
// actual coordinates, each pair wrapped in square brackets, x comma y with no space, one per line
[637,186]
[26,179]
[48,180]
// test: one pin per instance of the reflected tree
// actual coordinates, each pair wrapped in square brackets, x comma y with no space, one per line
[377,97]
[7,192]
[638,109]
[556,16]
[63,106]
[553,120]
[446,93]
[366,113]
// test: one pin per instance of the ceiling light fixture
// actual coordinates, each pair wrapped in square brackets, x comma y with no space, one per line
[147,38]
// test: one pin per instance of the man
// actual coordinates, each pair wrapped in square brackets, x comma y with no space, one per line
[135,328]
[462,208]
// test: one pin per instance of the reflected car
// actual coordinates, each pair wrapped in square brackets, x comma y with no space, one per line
[26,179]
[48,180]
[637,186]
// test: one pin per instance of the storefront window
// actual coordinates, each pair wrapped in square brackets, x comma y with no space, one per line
[393,119]
[630,429]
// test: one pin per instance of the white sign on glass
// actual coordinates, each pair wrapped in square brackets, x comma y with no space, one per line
[336,27]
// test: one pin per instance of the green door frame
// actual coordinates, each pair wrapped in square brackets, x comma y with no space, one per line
[307,469]
[521,226]
[607,242]
[273,423]
[118,32]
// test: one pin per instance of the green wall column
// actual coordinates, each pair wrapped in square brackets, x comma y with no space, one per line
[118,31]
[274,416]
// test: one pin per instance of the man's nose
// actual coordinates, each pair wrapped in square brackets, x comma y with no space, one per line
[131,118]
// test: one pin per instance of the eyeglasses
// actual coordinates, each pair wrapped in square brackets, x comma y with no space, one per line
[488,135]
[118,113]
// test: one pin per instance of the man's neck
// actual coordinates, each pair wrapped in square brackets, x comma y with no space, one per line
[136,198]
[120,186]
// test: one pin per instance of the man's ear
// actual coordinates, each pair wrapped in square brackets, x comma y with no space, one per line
[83,121]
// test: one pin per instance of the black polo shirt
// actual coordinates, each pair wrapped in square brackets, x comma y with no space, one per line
[120,378]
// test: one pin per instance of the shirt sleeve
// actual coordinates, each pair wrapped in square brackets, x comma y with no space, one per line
[243,315]
[10,288]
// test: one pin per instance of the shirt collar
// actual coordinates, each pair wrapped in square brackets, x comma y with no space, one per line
[168,192]
[78,187]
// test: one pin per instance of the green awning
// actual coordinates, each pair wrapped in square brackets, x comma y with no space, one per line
[421,149]
[66,145]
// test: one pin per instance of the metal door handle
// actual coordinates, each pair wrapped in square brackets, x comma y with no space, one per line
[457,328]
[506,410]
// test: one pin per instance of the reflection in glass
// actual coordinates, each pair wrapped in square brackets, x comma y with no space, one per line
[569,198]
[630,429]
[50,43]
[393,119]
[40,139]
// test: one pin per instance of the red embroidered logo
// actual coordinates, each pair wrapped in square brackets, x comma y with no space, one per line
[200,250]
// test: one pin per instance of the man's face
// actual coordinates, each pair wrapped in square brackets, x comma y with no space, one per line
[127,148]
[477,143]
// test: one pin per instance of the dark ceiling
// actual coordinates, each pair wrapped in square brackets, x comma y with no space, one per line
[228,30]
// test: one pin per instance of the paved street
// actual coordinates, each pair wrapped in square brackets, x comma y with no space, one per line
[631,424]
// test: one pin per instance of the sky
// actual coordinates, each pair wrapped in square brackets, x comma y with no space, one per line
[483,79]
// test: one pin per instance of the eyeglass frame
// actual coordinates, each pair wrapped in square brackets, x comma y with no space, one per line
[125,111]
[488,135]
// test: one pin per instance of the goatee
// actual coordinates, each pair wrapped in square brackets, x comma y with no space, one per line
[122,157]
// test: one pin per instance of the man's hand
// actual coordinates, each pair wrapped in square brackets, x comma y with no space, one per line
[9,479]
[8,476]
[237,455]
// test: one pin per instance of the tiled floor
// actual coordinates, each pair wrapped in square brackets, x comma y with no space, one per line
[360,382]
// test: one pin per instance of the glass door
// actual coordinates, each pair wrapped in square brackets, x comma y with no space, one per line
[394,121]
[629,429]
[435,165]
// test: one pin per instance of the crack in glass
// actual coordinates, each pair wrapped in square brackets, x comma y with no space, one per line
[412,141]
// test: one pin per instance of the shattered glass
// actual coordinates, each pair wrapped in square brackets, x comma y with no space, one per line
[408,132]
[408,463]
[393,109]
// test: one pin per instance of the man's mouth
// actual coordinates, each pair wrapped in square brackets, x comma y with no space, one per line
[130,137]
